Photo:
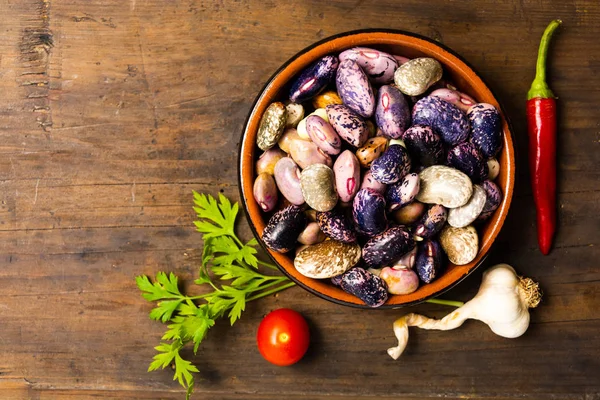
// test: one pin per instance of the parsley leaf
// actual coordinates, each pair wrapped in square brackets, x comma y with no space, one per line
[229,269]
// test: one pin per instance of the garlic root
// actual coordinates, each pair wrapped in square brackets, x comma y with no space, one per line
[502,303]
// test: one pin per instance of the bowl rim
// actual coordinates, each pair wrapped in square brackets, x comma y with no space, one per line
[240,160]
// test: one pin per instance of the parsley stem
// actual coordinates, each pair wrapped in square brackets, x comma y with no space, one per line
[269,292]
[273,282]
[271,266]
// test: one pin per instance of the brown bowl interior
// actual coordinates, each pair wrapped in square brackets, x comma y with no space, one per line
[401,44]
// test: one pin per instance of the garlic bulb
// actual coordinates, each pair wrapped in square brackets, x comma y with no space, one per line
[503,303]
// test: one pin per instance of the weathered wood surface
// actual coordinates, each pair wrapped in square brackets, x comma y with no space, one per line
[112,112]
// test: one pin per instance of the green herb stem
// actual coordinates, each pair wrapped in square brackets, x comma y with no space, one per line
[450,303]
[269,292]
[271,266]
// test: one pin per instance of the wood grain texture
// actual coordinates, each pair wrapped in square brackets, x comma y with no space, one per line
[112,112]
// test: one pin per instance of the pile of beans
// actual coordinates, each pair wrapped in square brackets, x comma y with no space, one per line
[377,172]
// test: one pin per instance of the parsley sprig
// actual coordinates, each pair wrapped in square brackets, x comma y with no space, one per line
[229,268]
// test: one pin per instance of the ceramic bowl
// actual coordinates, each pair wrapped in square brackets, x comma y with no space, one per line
[399,43]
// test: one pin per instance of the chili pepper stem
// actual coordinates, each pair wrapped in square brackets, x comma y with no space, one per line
[539,87]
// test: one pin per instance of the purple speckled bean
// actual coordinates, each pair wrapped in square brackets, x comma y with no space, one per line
[492,202]
[265,191]
[347,175]
[379,66]
[431,222]
[392,166]
[354,88]
[402,193]
[369,288]
[387,247]
[486,128]
[283,229]
[454,97]
[336,225]
[368,182]
[368,212]
[430,260]
[467,158]
[313,79]
[392,113]
[424,146]
[287,177]
[400,280]
[306,153]
[323,135]
[349,125]
[337,280]
[266,162]
[447,120]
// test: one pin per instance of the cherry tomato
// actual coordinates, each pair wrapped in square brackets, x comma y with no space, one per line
[283,337]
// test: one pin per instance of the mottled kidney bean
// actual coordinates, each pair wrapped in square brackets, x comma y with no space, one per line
[467,158]
[486,128]
[266,162]
[354,88]
[306,153]
[372,150]
[295,114]
[447,120]
[431,222]
[400,280]
[287,177]
[444,185]
[409,214]
[318,187]
[378,66]
[311,234]
[430,260]
[414,77]
[336,225]
[454,97]
[265,191]
[301,128]
[325,99]
[286,139]
[493,168]
[347,175]
[493,200]
[387,247]
[392,166]
[402,193]
[271,126]
[323,135]
[424,146]
[392,112]
[368,182]
[368,212]
[283,228]
[313,79]
[462,216]
[349,125]
[361,283]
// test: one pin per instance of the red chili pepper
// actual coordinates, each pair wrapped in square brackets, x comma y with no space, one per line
[541,121]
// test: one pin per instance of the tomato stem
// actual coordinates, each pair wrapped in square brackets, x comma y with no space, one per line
[539,87]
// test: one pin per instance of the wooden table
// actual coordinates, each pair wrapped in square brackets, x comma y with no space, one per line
[112,112]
